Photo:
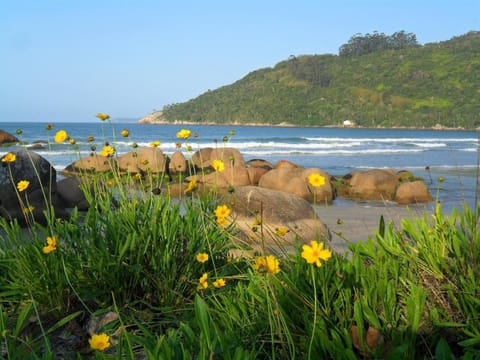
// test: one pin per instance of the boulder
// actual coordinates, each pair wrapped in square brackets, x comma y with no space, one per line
[233,176]
[231,157]
[201,158]
[178,163]
[148,159]
[281,164]
[375,184]
[259,163]
[71,191]
[255,174]
[93,163]
[294,180]
[40,193]
[7,138]
[412,192]
[259,213]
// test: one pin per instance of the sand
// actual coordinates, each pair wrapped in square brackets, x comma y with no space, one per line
[359,221]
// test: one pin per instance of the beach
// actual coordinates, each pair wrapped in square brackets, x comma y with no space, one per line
[358,222]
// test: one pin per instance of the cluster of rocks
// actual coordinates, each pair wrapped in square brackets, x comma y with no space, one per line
[376,184]
[282,193]
[273,196]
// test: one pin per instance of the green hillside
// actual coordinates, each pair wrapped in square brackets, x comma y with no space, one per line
[419,86]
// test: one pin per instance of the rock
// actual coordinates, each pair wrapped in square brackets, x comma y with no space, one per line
[233,176]
[259,163]
[38,204]
[70,191]
[201,158]
[375,184]
[412,192]
[154,118]
[294,180]
[231,157]
[255,174]
[281,164]
[178,163]
[7,138]
[40,193]
[150,159]
[96,323]
[37,146]
[259,212]
[94,163]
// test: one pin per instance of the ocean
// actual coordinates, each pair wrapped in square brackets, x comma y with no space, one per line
[430,154]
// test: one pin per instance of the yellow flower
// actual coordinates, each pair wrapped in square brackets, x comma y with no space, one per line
[9,158]
[51,245]
[23,185]
[107,151]
[316,180]
[109,183]
[49,127]
[223,222]
[72,141]
[90,138]
[202,257]
[231,132]
[60,136]
[137,176]
[125,133]
[314,253]
[155,144]
[191,185]
[203,284]
[28,210]
[281,231]
[257,222]
[99,341]
[103,116]
[219,283]
[218,165]
[184,134]
[222,211]
[144,162]
[189,148]
[264,264]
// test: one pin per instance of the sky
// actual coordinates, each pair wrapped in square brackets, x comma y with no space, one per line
[67,60]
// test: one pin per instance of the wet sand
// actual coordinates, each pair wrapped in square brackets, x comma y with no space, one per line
[358,222]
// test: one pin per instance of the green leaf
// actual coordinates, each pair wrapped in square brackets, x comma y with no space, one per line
[443,351]
[203,319]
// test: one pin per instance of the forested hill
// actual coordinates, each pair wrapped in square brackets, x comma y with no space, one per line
[376,80]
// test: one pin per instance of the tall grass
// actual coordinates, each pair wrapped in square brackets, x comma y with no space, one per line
[409,293]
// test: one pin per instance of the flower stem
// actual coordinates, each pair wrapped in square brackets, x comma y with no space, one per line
[314,313]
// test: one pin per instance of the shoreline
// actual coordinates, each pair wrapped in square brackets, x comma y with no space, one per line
[355,222]
[146,121]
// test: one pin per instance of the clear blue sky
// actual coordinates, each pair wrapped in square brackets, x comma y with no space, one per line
[66,60]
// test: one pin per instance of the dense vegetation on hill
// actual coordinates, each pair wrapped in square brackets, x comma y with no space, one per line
[376,80]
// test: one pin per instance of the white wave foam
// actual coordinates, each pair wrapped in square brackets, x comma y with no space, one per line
[429,145]
[330,152]
[391,140]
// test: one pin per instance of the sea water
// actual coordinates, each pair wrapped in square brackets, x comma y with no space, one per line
[430,154]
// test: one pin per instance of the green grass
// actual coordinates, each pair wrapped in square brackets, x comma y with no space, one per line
[416,288]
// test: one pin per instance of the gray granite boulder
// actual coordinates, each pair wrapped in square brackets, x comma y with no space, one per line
[40,194]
